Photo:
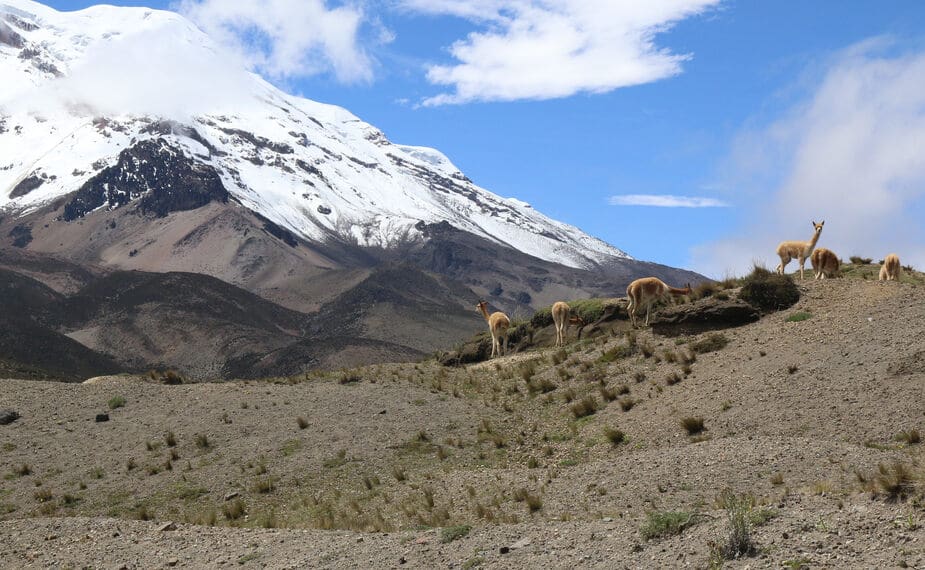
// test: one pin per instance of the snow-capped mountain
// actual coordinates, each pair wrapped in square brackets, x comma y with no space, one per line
[95,103]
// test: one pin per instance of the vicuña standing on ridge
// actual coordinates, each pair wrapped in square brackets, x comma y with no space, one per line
[891,268]
[498,323]
[647,291]
[825,263]
[799,250]
[562,318]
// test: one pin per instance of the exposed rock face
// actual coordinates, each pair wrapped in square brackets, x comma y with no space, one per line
[705,315]
[161,175]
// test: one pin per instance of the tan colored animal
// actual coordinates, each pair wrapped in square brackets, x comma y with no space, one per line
[647,291]
[561,312]
[891,268]
[498,324]
[800,250]
[825,263]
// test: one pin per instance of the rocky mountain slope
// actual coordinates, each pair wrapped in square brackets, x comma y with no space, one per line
[810,419]
[130,142]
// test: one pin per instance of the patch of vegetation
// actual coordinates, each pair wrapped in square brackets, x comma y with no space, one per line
[626,404]
[614,436]
[202,441]
[738,541]
[350,378]
[616,353]
[584,407]
[116,402]
[897,481]
[301,422]
[451,533]
[533,501]
[660,524]
[769,291]
[233,510]
[858,260]
[799,316]
[693,425]
[540,385]
[336,461]
[712,343]
[911,437]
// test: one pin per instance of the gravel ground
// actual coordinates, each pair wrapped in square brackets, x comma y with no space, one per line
[369,468]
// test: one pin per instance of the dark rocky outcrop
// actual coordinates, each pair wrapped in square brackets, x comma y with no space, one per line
[705,315]
[157,174]
[22,235]
[26,185]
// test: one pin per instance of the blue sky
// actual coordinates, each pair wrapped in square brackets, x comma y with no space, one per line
[772,114]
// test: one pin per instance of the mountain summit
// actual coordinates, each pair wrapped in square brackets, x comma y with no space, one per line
[97,93]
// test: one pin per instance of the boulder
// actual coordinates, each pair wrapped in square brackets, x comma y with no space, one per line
[8,416]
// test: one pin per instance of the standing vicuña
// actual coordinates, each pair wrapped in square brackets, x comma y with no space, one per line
[647,291]
[891,268]
[825,263]
[560,317]
[799,250]
[498,323]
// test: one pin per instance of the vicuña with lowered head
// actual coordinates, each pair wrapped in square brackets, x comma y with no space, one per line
[799,250]
[891,268]
[647,291]
[498,323]
[825,263]
[562,318]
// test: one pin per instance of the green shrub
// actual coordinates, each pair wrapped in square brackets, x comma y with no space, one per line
[713,342]
[739,541]
[769,291]
[116,402]
[665,523]
[451,533]
[799,316]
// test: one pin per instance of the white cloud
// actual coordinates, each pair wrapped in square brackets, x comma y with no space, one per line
[850,154]
[543,49]
[666,201]
[155,71]
[288,38]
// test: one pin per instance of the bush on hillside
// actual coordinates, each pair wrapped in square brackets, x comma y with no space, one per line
[588,309]
[769,291]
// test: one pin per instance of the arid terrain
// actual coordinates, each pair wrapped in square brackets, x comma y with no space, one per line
[591,456]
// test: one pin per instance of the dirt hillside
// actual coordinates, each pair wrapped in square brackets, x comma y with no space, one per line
[590,456]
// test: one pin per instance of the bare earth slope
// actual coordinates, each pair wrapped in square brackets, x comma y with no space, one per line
[379,467]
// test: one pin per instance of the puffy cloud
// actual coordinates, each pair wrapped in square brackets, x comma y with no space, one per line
[543,49]
[850,154]
[288,38]
[666,201]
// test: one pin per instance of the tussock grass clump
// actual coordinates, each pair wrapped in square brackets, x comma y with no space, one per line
[660,524]
[897,481]
[614,435]
[769,291]
[350,378]
[626,404]
[540,385]
[202,441]
[739,516]
[584,407]
[712,343]
[693,425]
[233,510]
[301,422]
[23,470]
[912,437]
[451,533]
[533,501]
[673,379]
[616,353]
[116,402]
[799,316]
[170,439]
[858,260]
